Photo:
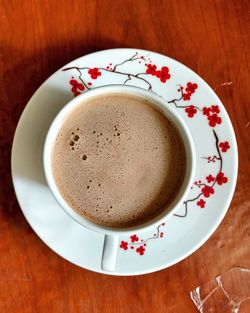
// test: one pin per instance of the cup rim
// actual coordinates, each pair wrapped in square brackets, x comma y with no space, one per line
[168,111]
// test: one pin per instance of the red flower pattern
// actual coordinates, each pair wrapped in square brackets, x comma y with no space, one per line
[206,111]
[76,87]
[151,69]
[134,238]
[140,245]
[94,73]
[140,250]
[207,191]
[221,179]
[191,87]
[186,96]
[214,119]
[224,146]
[215,109]
[212,115]
[124,245]
[210,178]
[191,111]
[189,90]
[162,74]
[201,203]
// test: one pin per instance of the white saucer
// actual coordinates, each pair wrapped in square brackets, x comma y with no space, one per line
[215,147]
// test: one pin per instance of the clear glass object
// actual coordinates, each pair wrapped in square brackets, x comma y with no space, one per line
[228,292]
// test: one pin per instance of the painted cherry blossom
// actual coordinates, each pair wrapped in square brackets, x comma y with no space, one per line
[94,73]
[201,203]
[124,245]
[134,238]
[224,146]
[221,179]
[191,111]
[140,250]
[210,178]
[207,191]
[214,119]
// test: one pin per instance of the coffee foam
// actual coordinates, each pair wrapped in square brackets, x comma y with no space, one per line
[118,161]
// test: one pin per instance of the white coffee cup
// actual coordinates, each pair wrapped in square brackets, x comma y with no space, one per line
[112,234]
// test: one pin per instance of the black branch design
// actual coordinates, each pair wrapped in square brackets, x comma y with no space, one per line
[128,76]
[219,157]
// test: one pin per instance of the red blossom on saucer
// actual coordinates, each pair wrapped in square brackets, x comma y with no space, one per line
[210,178]
[207,191]
[94,73]
[191,111]
[212,115]
[215,109]
[201,203]
[140,250]
[206,111]
[214,119]
[221,179]
[124,245]
[134,238]
[186,96]
[151,69]
[189,91]
[191,87]
[224,146]
[163,74]
[76,87]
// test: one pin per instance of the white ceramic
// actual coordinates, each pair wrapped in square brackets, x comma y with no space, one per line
[112,234]
[216,161]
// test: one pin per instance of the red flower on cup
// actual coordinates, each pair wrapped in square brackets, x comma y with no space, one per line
[94,73]
[191,87]
[224,146]
[214,119]
[221,179]
[134,238]
[124,245]
[140,250]
[191,111]
[207,191]
[201,203]
[210,178]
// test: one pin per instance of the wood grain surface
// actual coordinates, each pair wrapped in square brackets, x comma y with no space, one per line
[37,38]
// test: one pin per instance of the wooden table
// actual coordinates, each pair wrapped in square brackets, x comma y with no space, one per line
[38,37]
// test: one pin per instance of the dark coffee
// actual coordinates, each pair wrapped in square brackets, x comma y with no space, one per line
[118,161]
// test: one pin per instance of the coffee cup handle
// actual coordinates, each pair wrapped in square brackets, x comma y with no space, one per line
[109,252]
